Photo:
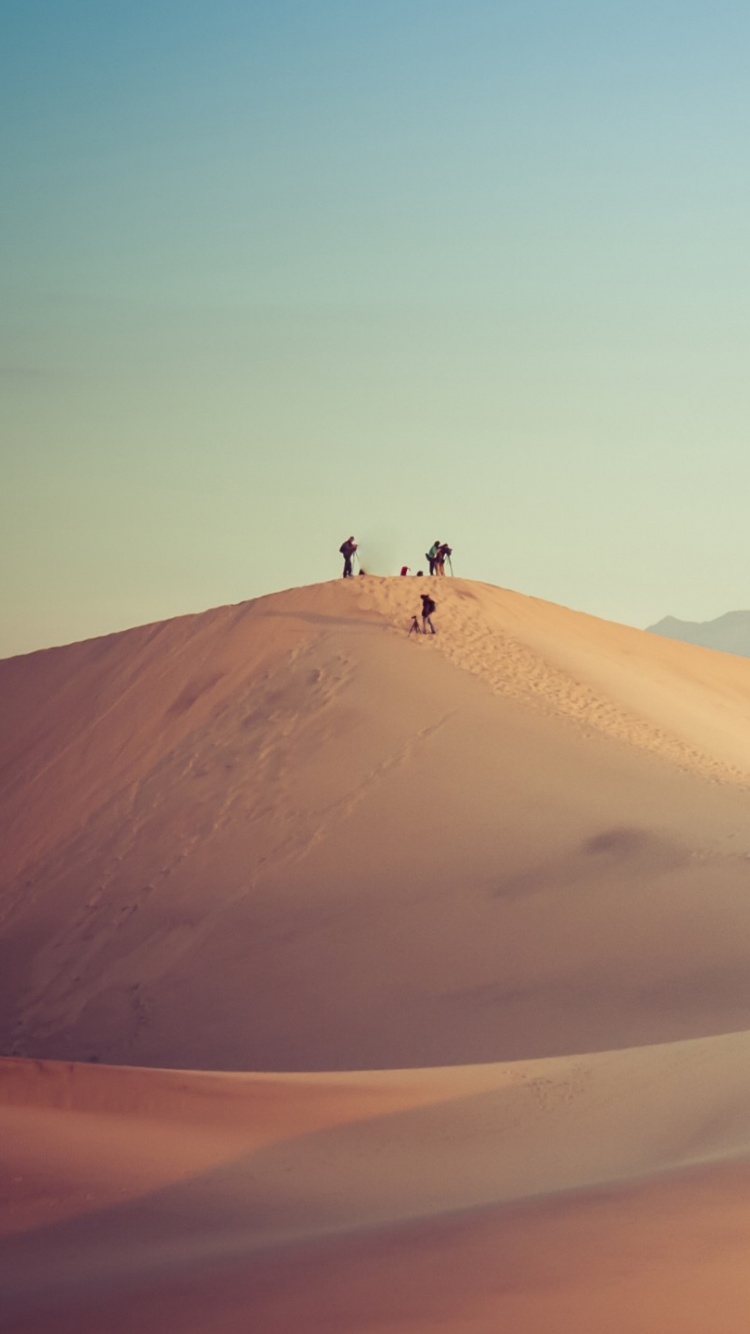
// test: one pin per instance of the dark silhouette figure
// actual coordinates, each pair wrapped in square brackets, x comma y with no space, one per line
[428,607]
[443,554]
[347,550]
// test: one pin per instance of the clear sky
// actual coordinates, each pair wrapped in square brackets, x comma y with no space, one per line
[278,271]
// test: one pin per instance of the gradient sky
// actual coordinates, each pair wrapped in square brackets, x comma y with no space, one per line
[277,271]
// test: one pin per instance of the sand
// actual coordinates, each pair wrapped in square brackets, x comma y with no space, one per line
[354,980]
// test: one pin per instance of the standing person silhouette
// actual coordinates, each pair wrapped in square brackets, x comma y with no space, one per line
[444,553]
[432,554]
[347,550]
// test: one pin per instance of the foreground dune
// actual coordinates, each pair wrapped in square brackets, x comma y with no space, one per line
[145,1194]
[477,907]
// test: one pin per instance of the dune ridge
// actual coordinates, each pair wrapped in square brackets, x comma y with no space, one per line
[288,1160]
[412,959]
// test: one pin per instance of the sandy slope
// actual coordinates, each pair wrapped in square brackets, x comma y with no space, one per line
[158,1194]
[288,836]
[479,876]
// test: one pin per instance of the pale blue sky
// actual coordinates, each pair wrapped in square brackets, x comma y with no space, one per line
[276,272]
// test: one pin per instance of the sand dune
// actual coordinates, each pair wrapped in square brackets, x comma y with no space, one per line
[217,830]
[468,915]
[165,1179]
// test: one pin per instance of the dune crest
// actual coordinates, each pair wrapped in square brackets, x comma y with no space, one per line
[596,673]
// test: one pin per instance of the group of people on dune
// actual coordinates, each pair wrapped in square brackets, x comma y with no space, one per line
[437,555]
[436,558]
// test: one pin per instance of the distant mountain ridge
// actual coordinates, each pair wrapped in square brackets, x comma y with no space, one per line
[729,633]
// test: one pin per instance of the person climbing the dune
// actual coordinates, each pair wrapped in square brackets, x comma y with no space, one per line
[347,550]
[432,554]
[428,607]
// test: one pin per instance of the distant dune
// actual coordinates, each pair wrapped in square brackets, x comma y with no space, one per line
[466,915]
[729,633]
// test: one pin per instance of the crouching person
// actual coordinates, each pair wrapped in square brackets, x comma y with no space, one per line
[428,607]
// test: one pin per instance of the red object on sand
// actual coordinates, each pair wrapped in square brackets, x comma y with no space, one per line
[404,569]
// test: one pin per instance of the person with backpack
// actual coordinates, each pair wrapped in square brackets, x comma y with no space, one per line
[431,555]
[347,550]
[444,552]
[428,607]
